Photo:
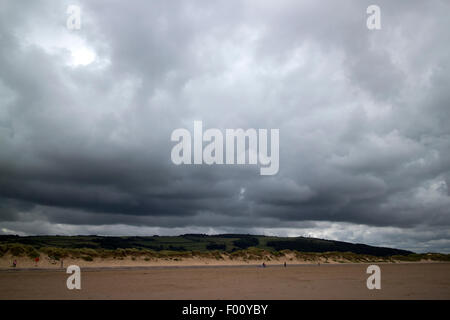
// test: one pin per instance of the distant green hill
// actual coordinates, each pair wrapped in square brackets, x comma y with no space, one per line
[202,242]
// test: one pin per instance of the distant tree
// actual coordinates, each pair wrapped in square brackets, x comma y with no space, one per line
[216,246]
[244,243]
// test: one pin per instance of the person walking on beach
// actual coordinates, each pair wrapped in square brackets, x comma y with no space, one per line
[14,263]
[62,263]
[36,260]
[264,264]
[285,264]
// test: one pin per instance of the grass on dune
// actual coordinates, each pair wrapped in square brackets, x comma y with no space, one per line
[249,254]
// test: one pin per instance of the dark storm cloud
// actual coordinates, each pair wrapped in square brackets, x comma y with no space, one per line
[363,118]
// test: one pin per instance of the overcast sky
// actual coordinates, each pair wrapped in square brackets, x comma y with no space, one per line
[86,118]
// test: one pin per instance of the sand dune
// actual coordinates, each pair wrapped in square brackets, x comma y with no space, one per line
[47,263]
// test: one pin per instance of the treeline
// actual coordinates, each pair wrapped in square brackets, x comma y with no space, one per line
[91,242]
[246,242]
[319,245]
[201,242]
[239,244]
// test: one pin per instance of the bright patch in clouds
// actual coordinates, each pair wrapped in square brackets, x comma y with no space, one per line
[59,41]
[82,56]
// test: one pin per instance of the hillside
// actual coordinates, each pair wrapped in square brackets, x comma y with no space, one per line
[201,243]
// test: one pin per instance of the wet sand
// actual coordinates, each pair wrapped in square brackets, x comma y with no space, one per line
[342,281]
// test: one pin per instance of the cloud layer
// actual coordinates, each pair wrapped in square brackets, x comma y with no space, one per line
[86,117]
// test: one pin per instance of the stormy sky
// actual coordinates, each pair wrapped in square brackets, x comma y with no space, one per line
[86,118]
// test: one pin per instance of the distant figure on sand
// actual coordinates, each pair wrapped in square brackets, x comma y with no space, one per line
[264,264]
[14,263]
[285,264]
[62,263]
[36,260]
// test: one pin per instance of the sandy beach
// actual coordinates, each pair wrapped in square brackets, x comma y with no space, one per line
[333,281]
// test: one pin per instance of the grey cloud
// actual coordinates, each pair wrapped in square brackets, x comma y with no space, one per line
[363,118]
